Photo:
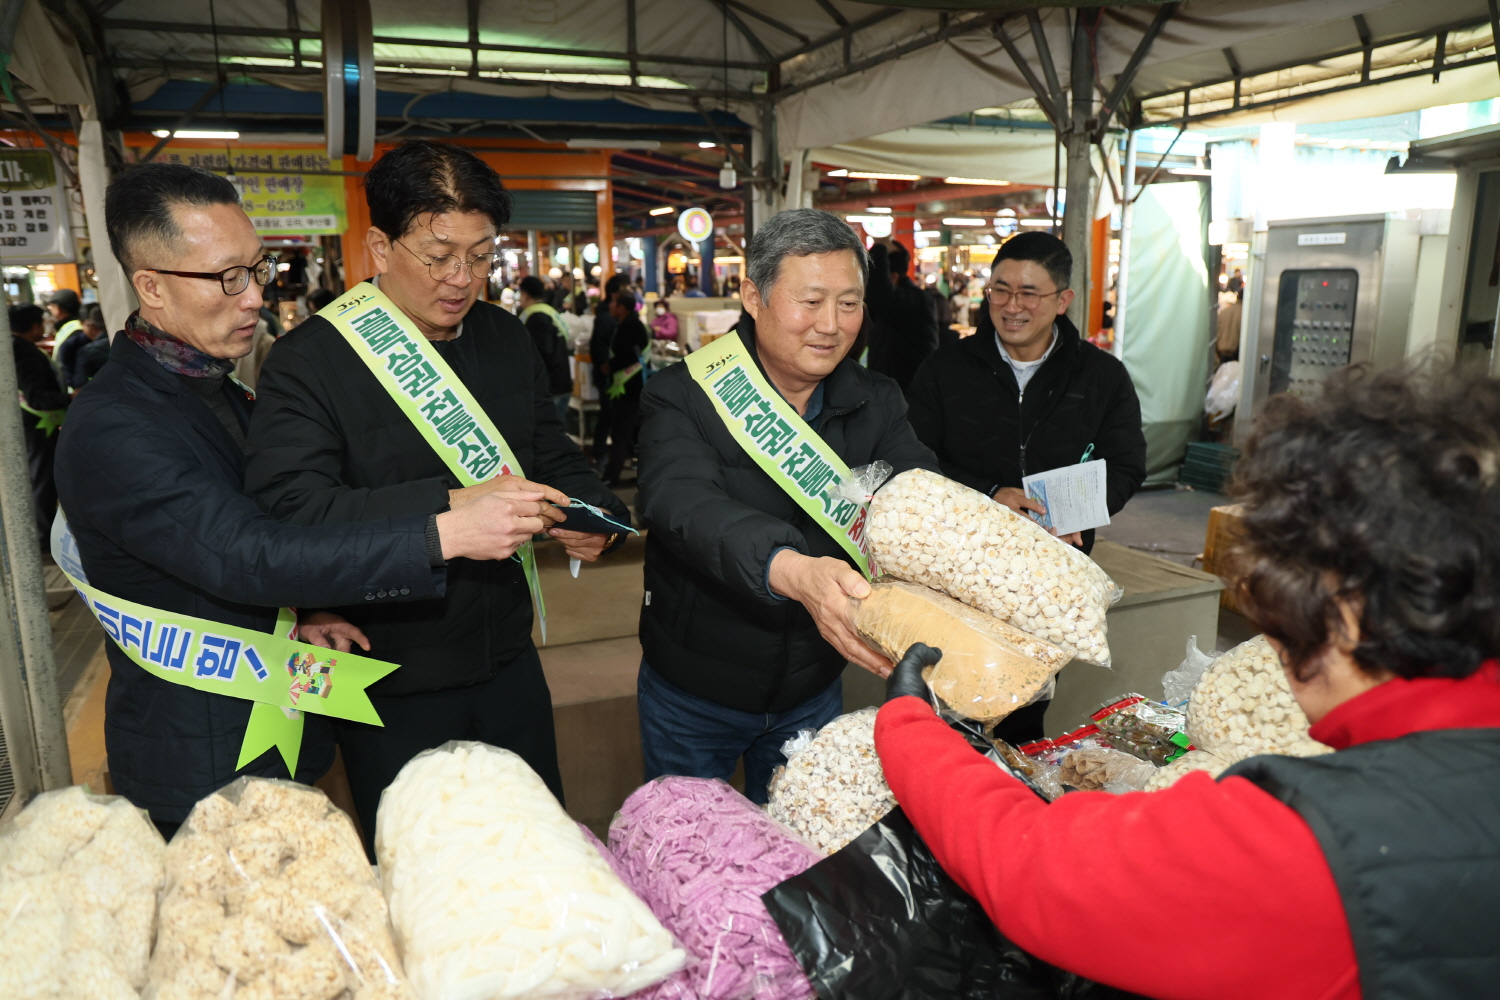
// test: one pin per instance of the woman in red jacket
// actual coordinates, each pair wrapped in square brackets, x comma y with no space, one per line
[1372,563]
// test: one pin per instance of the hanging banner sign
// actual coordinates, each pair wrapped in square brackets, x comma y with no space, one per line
[33,209]
[291,203]
[695,225]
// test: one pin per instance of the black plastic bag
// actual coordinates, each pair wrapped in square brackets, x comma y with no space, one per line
[881,920]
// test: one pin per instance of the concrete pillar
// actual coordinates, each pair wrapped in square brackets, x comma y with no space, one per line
[1078,217]
[648,263]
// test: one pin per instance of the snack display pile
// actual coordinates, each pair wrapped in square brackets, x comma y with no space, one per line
[989,668]
[832,789]
[79,874]
[495,893]
[268,896]
[929,530]
[701,855]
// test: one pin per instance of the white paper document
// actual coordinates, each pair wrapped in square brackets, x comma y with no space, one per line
[1073,496]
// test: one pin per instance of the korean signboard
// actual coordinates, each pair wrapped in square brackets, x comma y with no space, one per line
[278,203]
[33,209]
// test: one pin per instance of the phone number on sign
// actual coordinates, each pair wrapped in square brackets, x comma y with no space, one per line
[296,223]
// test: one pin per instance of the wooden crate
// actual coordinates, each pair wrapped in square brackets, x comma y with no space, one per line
[1224,528]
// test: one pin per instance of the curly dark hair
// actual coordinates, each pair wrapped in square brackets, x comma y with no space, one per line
[421,176]
[1380,494]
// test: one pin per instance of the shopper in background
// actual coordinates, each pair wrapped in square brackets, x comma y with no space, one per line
[1227,333]
[1026,394]
[43,403]
[959,300]
[664,323]
[64,308]
[626,378]
[92,356]
[549,334]
[904,328]
[744,629]
[1371,560]
[318,299]
[693,291]
[330,445]
[150,472]
[601,346]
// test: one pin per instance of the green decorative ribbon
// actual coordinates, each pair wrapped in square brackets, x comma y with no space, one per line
[433,398]
[617,381]
[48,421]
[780,441]
[282,676]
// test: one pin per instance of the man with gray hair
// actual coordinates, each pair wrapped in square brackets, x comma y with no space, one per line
[752,557]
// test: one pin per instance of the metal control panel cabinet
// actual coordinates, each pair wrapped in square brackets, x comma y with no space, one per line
[1330,292]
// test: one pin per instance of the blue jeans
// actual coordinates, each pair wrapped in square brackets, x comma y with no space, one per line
[684,734]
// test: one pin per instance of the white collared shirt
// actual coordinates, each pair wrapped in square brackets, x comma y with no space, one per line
[1025,369]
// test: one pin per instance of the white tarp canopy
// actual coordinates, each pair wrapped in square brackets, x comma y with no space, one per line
[838,71]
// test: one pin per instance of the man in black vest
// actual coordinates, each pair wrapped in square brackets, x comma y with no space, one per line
[43,403]
[1026,394]
[329,445]
[745,626]
[150,473]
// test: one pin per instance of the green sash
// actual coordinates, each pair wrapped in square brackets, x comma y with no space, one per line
[780,441]
[548,311]
[282,676]
[48,420]
[440,406]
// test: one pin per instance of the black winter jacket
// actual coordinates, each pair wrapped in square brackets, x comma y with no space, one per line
[905,324]
[709,625]
[152,485]
[551,344]
[966,406]
[328,445]
[37,380]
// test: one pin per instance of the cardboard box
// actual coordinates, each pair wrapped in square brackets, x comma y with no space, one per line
[1225,529]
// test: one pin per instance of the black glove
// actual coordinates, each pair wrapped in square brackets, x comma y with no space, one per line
[907,677]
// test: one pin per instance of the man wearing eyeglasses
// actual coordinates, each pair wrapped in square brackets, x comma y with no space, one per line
[149,471]
[1026,394]
[330,444]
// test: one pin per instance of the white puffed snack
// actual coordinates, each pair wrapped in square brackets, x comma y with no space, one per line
[495,893]
[1193,760]
[833,789]
[79,875]
[1243,706]
[270,897]
[926,529]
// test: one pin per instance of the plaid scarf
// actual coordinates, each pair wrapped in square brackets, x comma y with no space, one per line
[172,354]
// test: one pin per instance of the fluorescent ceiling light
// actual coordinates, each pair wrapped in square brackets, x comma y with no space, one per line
[878,210]
[841,172]
[613,144]
[707,145]
[664,210]
[1036,222]
[873,175]
[974,180]
[185,134]
[867,218]
[964,222]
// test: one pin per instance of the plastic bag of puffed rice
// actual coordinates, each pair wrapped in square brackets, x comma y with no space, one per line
[926,529]
[832,787]
[1243,706]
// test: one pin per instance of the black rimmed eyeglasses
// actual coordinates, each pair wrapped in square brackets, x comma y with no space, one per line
[233,280]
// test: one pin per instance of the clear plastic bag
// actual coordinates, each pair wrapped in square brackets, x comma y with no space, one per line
[832,787]
[496,893]
[1107,770]
[1243,706]
[269,895]
[1178,684]
[1146,729]
[989,668]
[863,482]
[929,530]
[1223,391]
[700,854]
[79,875]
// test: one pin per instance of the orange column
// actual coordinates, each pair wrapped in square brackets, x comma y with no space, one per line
[357,263]
[605,205]
[66,276]
[903,231]
[1098,273]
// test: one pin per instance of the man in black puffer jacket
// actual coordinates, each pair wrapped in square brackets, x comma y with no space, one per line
[744,629]
[1026,394]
